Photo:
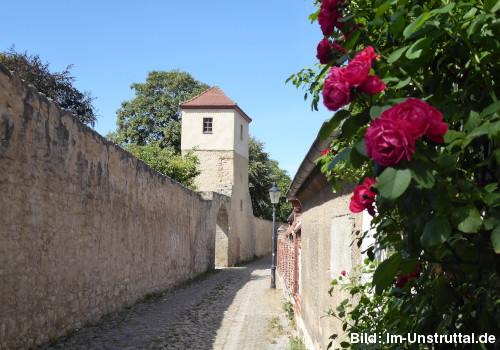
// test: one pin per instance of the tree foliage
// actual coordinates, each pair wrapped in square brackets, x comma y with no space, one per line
[437,195]
[55,85]
[154,114]
[182,169]
[262,172]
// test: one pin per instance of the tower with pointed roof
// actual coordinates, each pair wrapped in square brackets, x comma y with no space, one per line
[217,128]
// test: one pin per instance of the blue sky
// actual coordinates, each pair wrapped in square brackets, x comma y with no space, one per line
[247,48]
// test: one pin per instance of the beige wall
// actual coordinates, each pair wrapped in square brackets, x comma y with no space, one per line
[225,135]
[327,233]
[85,227]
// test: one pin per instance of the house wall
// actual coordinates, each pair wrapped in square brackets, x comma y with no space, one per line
[326,250]
[85,227]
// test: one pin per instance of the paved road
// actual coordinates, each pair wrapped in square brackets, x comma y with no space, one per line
[231,310]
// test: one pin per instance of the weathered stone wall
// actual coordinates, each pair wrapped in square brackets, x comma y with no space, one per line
[263,230]
[85,227]
[328,229]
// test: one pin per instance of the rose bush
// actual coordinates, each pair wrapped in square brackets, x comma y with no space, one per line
[419,86]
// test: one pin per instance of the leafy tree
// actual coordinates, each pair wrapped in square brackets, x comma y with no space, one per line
[56,85]
[154,114]
[182,169]
[262,172]
[415,87]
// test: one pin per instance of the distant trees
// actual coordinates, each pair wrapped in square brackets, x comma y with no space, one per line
[154,114]
[262,172]
[55,85]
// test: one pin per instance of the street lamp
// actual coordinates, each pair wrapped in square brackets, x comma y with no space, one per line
[274,193]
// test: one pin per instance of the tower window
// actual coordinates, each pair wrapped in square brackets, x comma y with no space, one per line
[207,125]
[241,132]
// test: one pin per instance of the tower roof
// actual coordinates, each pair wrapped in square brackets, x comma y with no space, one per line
[213,98]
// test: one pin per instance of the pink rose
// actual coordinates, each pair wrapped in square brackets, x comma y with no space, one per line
[412,115]
[372,85]
[368,54]
[326,151]
[342,272]
[328,19]
[388,142]
[336,93]
[356,72]
[339,48]
[363,197]
[437,128]
[324,47]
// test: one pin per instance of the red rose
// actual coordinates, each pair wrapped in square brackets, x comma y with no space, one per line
[331,3]
[339,48]
[372,85]
[336,93]
[363,197]
[356,72]
[328,19]
[437,128]
[402,280]
[342,272]
[368,54]
[326,151]
[324,47]
[412,115]
[388,143]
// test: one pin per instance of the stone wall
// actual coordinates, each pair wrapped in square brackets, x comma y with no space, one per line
[85,227]
[328,229]
[263,230]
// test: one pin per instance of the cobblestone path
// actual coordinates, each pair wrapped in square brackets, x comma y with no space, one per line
[232,309]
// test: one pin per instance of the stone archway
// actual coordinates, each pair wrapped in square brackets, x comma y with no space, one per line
[222,238]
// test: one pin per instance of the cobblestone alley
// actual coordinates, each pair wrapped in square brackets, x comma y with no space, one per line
[232,309]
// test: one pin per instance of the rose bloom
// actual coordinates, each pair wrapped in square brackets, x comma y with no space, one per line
[339,48]
[418,118]
[372,85]
[342,273]
[335,92]
[368,54]
[437,128]
[324,47]
[388,143]
[356,72]
[328,19]
[326,151]
[412,115]
[363,197]
[402,280]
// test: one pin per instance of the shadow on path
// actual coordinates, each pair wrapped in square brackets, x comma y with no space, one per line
[202,315]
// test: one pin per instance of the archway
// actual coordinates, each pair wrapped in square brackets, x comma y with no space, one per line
[222,238]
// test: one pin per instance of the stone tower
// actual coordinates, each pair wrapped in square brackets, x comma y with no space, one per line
[218,129]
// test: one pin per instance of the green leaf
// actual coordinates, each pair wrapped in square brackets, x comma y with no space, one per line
[393,57]
[393,182]
[376,111]
[382,9]
[384,275]
[436,232]
[339,157]
[495,239]
[361,147]
[473,121]
[332,124]
[357,159]
[444,9]
[351,40]
[403,83]
[467,219]
[422,174]
[350,127]
[493,108]
[452,135]
[491,5]
[420,46]
[417,23]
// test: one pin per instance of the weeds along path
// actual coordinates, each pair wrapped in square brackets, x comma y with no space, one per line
[233,308]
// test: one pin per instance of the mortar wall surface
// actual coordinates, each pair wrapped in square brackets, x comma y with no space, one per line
[85,227]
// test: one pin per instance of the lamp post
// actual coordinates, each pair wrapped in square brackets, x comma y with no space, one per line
[274,193]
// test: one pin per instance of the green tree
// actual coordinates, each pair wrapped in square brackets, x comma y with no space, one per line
[182,169]
[56,85]
[262,172]
[154,114]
